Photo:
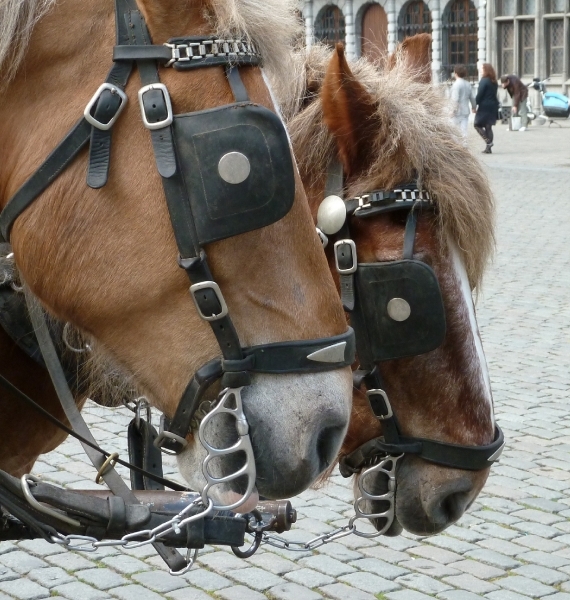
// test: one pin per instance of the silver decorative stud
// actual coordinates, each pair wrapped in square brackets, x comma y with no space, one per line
[497,454]
[234,167]
[331,215]
[330,354]
[399,309]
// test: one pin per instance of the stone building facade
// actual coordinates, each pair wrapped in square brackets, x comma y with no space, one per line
[526,37]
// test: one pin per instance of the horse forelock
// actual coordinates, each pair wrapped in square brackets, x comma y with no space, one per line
[271,24]
[416,139]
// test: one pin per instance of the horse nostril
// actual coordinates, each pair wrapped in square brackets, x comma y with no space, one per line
[328,442]
[452,501]
[454,506]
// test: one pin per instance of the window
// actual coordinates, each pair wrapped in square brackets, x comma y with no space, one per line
[460,37]
[329,25]
[527,47]
[507,46]
[528,7]
[555,47]
[414,18]
[506,8]
[556,6]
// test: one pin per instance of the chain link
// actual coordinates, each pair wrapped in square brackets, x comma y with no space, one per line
[90,544]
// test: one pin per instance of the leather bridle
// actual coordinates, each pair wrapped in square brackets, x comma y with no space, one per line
[336,222]
[134,47]
[190,208]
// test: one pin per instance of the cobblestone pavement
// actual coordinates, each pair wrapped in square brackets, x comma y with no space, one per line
[513,544]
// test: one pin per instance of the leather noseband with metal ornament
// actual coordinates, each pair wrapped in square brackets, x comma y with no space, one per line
[396,310]
[225,171]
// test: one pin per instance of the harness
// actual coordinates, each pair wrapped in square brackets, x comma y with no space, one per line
[396,309]
[225,171]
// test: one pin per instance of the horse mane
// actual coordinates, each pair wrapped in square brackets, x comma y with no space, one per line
[17,20]
[271,24]
[416,139]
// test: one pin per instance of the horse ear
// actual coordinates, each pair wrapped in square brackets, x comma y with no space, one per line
[415,52]
[349,112]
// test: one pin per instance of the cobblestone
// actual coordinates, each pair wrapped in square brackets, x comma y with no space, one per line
[514,543]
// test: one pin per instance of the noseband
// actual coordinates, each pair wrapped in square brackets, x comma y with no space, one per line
[396,309]
[225,171]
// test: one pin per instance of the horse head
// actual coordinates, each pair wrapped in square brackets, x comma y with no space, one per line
[105,259]
[388,129]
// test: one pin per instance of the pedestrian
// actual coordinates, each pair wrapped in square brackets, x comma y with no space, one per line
[487,105]
[519,93]
[461,97]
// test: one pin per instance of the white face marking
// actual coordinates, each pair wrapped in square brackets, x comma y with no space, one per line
[466,290]
[280,115]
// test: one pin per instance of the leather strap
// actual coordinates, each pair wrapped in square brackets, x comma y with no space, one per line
[238,88]
[49,171]
[141,436]
[154,101]
[171,556]
[410,235]
[108,105]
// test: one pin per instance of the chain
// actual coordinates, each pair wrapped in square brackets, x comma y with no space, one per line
[85,543]
[385,466]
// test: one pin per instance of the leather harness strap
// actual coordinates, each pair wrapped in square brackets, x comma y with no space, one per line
[116,484]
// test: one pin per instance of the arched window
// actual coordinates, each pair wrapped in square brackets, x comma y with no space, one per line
[460,38]
[415,17]
[329,25]
[374,33]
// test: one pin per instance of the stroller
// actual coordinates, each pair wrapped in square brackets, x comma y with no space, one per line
[554,105]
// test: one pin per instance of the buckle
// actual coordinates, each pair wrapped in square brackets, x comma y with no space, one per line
[96,97]
[167,104]
[167,437]
[209,285]
[384,396]
[337,251]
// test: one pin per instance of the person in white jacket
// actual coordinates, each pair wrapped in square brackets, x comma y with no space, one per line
[461,98]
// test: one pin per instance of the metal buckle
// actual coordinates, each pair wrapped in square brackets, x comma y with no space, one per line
[87,112]
[168,435]
[379,392]
[209,285]
[169,116]
[354,266]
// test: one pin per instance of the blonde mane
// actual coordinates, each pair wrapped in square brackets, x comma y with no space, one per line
[415,124]
[271,24]
[17,20]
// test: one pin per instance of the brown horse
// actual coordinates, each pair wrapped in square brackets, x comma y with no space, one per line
[388,128]
[105,260]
